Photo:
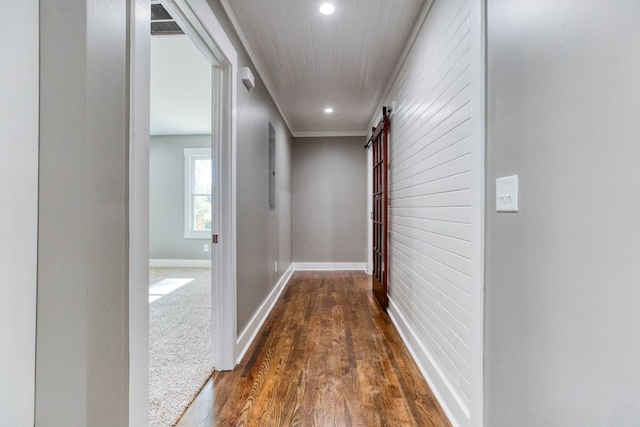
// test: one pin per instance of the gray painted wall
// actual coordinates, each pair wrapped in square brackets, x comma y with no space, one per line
[166,198]
[329,216]
[562,314]
[264,236]
[18,209]
[82,351]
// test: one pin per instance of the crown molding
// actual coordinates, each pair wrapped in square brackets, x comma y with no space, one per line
[321,134]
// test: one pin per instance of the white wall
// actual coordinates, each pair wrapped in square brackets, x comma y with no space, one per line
[18,209]
[563,277]
[83,216]
[436,209]
[180,87]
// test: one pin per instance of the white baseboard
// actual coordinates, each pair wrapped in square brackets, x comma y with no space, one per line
[329,266]
[245,339]
[180,263]
[442,389]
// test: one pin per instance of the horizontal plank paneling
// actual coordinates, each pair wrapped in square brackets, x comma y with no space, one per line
[453,315]
[439,338]
[445,214]
[455,141]
[450,176]
[428,269]
[434,208]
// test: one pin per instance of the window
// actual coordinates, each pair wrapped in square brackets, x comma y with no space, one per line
[197,205]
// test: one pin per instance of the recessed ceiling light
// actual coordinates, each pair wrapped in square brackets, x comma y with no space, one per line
[327,9]
[328,110]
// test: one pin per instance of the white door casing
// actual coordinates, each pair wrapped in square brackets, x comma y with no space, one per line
[199,23]
[202,27]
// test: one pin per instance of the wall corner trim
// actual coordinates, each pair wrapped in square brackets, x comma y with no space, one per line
[322,134]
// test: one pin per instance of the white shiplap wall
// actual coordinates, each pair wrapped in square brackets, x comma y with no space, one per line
[436,204]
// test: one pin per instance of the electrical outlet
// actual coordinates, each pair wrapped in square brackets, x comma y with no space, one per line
[276,267]
[206,247]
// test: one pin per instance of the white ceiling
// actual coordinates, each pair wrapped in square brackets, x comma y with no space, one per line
[309,61]
[180,87]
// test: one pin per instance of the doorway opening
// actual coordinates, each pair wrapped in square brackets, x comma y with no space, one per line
[197,21]
[200,25]
[180,220]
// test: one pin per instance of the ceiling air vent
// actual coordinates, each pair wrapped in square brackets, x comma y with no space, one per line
[162,23]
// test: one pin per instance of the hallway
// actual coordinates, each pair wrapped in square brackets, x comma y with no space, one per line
[327,355]
[519,315]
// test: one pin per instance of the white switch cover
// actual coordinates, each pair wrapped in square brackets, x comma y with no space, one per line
[507,194]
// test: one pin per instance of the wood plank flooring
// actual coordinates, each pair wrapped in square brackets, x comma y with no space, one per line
[326,356]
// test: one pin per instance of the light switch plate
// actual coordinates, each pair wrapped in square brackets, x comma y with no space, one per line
[507,194]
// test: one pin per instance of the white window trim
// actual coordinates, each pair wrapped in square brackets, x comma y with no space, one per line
[190,155]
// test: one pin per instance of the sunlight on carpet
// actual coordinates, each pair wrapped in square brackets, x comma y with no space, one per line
[164,287]
[180,345]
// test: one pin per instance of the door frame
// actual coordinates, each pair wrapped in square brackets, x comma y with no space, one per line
[139,135]
[199,23]
[205,31]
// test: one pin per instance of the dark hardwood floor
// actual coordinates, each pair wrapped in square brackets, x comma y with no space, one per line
[326,356]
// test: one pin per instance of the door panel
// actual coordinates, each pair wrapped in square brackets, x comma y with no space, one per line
[379,147]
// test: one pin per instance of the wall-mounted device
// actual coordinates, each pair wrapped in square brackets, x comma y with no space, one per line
[247,78]
[507,194]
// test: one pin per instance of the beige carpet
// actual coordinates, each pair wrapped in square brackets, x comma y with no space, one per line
[180,345]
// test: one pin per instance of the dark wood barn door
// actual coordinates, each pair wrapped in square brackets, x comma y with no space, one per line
[378,144]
